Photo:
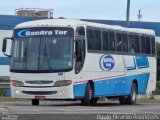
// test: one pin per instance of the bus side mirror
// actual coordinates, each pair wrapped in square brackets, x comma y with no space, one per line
[4,47]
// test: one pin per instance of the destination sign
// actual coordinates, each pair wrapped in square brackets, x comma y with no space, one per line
[34,32]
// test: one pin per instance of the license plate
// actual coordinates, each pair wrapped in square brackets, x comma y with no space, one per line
[40,97]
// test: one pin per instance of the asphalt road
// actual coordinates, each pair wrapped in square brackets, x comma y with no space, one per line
[49,110]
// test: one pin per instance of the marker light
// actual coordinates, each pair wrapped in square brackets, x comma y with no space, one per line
[17,92]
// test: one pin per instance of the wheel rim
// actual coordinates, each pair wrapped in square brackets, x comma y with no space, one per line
[90,94]
[134,94]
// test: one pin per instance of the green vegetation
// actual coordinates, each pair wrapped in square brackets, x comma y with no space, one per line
[3,91]
[101,99]
[158,49]
[8,99]
[3,80]
[157,91]
[158,60]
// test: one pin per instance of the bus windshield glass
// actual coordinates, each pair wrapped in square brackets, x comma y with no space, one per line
[42,49]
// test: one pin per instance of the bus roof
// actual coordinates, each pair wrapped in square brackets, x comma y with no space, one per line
[73,22]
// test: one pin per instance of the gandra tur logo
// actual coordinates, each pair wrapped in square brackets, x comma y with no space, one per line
[107,62]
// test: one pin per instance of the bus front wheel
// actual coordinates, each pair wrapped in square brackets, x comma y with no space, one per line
[88,95]
[35,102]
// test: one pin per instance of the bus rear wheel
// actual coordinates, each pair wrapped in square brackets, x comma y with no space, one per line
[123,100]
[130,99]
[133,95]
[35,102]
[88,98]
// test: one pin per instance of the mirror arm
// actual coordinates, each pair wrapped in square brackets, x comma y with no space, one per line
[7,55]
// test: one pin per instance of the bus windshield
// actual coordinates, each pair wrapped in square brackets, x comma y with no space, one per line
[42,53]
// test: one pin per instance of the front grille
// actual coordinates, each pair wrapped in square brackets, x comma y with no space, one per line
[39,92]
[39,82]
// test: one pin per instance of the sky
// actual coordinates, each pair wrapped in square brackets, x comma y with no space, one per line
[88,9]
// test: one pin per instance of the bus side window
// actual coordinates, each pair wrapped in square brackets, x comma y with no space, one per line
[121,42]
[148,45]
[111,41]
[118,42]
[94,39]
[145,44]
[97,39]
[125,42]
[105,41]
[134,46]
[80,31]
[137,43]
[153,45]
[90,39]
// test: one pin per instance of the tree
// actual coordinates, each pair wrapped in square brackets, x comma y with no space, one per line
[158,60]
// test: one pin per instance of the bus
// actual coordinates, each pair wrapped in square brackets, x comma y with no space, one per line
[65,59]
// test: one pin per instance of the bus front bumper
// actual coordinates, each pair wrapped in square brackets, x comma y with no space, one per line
[65,92]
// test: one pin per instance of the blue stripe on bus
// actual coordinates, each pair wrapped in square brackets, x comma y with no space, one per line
[4,61]
[114,86]
[142,62]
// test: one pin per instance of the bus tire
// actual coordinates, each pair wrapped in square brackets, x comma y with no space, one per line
[122,100]
[133,95]
[94,101]
[35,102]
[88,95]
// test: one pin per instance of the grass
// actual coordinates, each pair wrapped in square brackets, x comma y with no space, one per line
[149,100]
[9,99]
[140,101]
[3,80]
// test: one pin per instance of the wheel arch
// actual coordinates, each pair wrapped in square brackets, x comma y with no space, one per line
[136,82]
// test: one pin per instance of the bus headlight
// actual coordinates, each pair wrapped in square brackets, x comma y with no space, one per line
[62,83]
[16,83]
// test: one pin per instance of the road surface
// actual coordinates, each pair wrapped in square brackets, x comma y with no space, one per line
[50,110]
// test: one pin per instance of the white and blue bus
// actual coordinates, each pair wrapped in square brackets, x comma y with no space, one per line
[73,59]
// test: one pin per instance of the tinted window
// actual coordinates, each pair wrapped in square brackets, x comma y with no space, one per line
[108,40]
[80,31]
[105,40]
[111,41]
[90,38]
[97,39]
[153,45]
[121,42]
[134,46]
[148,45]
[145,45]
[94,39]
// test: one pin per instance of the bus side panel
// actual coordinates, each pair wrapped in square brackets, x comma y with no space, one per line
[144,73]
[121,85]
[104,87]
[142,81]
[118,81]
[153,74]
[79,90]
